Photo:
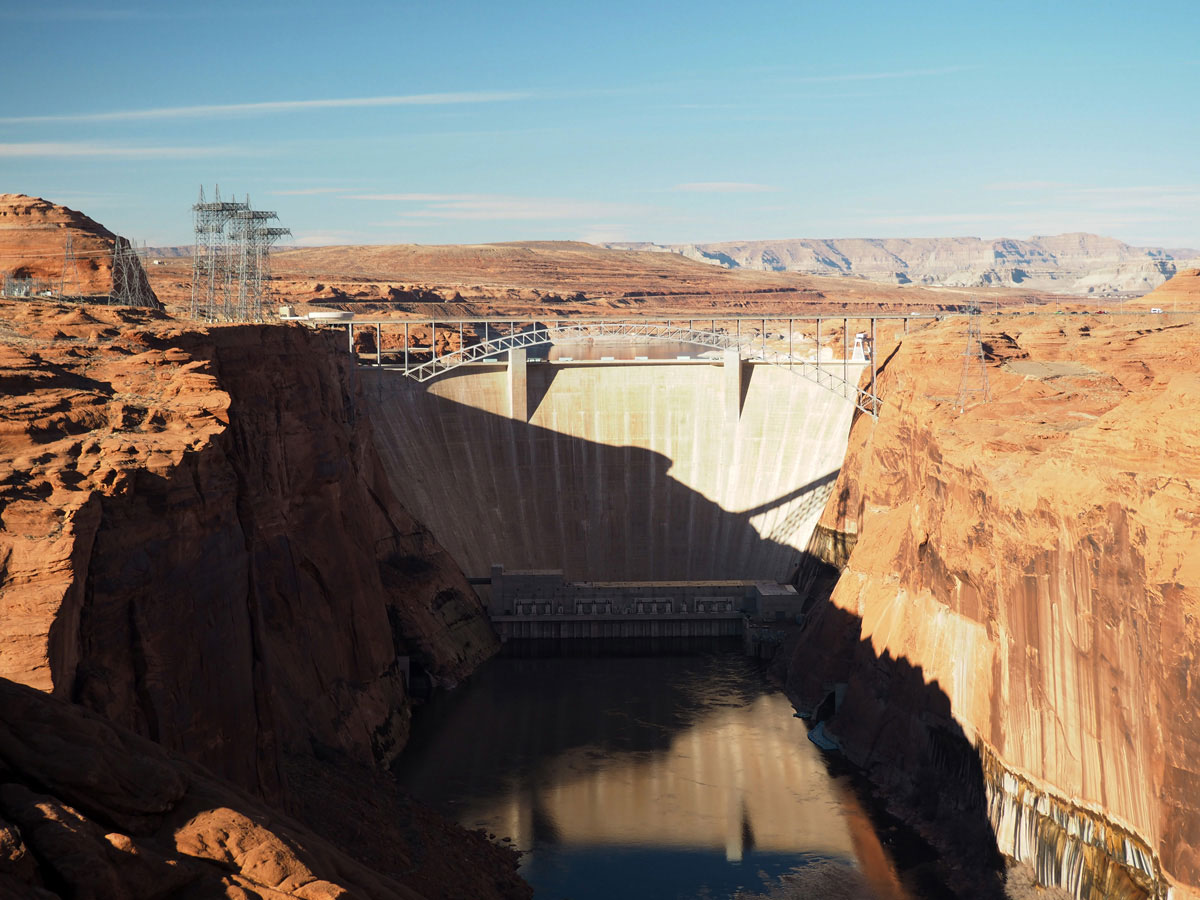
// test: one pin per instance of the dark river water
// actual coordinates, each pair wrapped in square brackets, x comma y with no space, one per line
[644,777]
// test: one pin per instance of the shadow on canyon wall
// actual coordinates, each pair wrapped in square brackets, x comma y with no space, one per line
[898,730]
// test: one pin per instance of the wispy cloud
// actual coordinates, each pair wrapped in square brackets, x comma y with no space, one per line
[306,192]
[938,219]
[1059,219]
[46,12]
[68,14]
[882,76]
[723,187]
[53,149]
[1024,185]
[411,198]
[273,106]
[605,233]
[498,207]
[327,238]
[1161,197]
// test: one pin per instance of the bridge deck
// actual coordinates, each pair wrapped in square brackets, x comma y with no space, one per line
[754,339]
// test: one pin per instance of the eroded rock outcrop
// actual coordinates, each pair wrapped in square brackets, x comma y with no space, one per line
[1015,631]
[33,250]
[1180,293]
[88,809]
[197,540]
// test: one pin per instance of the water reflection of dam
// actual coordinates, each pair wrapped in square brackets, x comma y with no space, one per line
[689,763]
[739,776]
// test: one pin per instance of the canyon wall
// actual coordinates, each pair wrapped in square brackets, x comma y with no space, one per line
[1020,580]
[198,540]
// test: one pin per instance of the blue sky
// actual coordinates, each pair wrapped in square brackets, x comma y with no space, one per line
[451,122]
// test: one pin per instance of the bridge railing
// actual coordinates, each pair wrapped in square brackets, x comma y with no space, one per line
[749,336]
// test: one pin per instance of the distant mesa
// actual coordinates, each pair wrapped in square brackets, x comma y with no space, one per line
[1076,263]
[33,253]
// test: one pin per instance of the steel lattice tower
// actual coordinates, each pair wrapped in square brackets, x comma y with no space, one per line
[129,284]
[974,379]
[211,270]
[232,261]
[266,239]
[247,230]
[68,263]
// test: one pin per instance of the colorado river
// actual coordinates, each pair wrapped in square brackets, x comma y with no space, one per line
[650,777]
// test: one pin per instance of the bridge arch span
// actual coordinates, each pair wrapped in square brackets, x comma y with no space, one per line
[749,346]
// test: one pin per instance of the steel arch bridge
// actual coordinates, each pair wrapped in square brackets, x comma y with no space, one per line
[832,375]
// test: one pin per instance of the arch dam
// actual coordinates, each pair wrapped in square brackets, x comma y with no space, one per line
[607,473]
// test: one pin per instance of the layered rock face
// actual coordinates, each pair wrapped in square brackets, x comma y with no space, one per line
[33,244]
[198,541]
[1072,263]
[1016,627]
[1180,293]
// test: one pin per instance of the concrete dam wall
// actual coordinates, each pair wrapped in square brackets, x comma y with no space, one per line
[652,470]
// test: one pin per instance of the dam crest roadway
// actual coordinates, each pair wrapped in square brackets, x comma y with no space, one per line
[771,340]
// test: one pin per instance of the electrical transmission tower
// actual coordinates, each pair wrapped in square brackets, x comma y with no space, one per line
[129,284]
[68,263]
[974,380]
[231,265]
[210,255]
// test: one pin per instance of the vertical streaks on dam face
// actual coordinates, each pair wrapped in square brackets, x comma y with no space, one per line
[626,472]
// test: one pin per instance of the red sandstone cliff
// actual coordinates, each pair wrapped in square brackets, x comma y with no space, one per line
[1181,292]
[197,540]
[33,243]
[1023,578]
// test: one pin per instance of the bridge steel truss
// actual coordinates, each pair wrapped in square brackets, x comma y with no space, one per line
[831,374]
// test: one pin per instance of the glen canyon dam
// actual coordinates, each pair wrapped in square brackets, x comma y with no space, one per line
[891,599]
[613,451]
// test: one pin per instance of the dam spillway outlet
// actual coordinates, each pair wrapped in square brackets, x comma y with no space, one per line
[667,471]
[542,605]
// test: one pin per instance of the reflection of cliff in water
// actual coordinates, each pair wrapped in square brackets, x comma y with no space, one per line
[675,762]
